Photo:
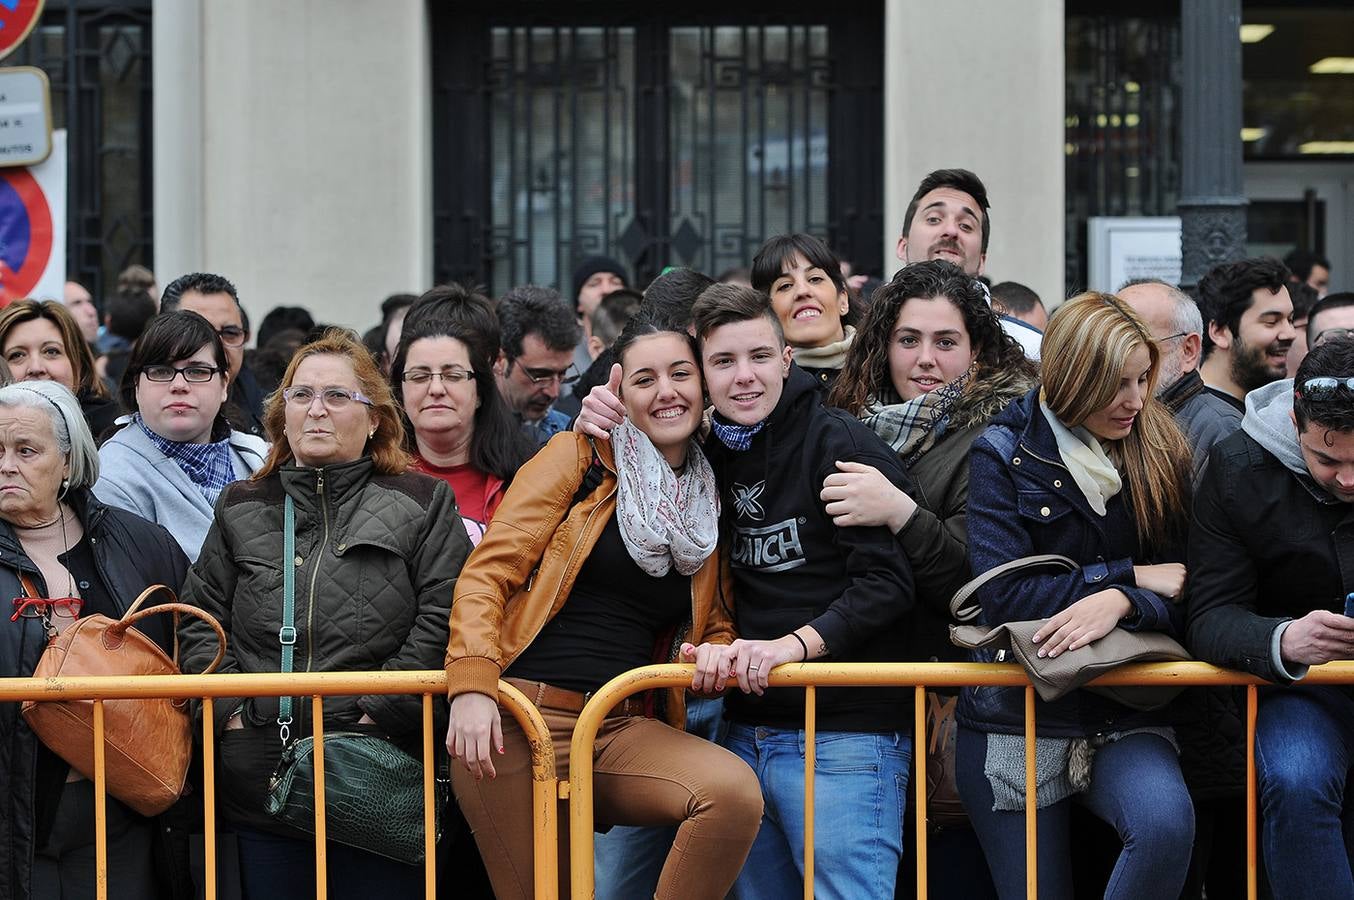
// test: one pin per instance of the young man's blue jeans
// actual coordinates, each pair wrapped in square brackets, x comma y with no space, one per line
[1304,748]
[860,796]
[1136,786]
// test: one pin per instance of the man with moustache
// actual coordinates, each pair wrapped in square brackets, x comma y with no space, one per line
[1250,331]
[1177,326]
[948,218]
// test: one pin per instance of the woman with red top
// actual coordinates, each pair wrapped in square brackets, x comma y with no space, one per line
[460,429]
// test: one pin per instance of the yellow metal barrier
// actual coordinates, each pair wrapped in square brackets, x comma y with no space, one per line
[920,676]
[429,684]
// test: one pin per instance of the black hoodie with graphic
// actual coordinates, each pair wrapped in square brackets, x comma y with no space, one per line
[792,566]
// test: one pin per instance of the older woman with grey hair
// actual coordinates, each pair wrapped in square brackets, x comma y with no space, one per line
[64,554]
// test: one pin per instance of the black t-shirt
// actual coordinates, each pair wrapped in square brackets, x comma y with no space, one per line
[610,623]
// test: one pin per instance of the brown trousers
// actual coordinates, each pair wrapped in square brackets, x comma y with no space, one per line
[644,773]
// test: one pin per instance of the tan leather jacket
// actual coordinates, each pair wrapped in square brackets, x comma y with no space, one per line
[521,573]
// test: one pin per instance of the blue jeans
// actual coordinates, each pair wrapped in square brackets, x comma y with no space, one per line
[273,867]
[1136,786]
[629,858]
[860,798]
[1304,748]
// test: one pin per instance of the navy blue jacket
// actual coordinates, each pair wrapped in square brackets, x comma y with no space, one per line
[1023,501]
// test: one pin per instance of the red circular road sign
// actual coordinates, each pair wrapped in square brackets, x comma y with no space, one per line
[25,234]
[17,18]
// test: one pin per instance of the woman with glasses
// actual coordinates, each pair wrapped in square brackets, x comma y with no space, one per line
[376,551]
[176,453]
[64,554]
[460,429]
[41,341]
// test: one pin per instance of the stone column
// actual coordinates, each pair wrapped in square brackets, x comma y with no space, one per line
[1212,203]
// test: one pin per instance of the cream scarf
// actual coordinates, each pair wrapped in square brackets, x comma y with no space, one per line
[829,356]
[1091,467]
[666,520]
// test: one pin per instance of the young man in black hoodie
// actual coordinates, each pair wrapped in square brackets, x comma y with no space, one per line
[805,589]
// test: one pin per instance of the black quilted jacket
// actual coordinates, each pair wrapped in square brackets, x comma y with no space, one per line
[376,561]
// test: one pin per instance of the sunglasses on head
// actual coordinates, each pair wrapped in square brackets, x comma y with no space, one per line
[1323,386]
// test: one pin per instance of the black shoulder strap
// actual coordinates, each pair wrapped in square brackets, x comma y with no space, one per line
[591,479]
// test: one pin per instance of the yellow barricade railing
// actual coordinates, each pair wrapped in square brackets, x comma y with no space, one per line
[318,685]
[919,676]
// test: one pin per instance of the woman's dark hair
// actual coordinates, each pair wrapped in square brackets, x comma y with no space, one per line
[498,445]
[168,338]
[866,372]
[775,254]
[643,325]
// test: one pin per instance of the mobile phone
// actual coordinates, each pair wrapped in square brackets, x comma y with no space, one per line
[1349,605]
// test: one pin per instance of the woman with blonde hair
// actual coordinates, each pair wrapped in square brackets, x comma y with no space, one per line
[1090,466]
[377,549]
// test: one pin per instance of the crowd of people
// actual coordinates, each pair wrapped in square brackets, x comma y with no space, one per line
[788,464]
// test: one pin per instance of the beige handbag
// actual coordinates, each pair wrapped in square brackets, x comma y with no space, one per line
[148,742]
[1057,676]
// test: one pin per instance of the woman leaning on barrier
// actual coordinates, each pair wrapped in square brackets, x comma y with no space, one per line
[1091,467]
[81,557]
[602,558]
[377,551]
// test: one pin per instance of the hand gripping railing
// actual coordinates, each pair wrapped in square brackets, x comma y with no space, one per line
[920,676]
[318,685]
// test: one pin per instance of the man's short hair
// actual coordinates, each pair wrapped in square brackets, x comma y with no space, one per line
[1330,301]
[202,283]
[136,278]
[1225,292]
[1301,263]
[531,309]
[1015,298]
[1185,315]
[1333,410]
[610,317]
[128,312]
[955,179]
[284,318]
[727,304]
[669,297]
[1304,297]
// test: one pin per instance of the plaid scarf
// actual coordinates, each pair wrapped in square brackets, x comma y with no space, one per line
[911,428]
[735,437]
[207,465]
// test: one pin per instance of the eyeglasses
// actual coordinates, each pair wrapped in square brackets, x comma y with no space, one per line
[1323,385]
[1171,337]
[232,335]
[333,398]
[566,376]
[446,376]
[194,374]
[40,608]
[1333,334]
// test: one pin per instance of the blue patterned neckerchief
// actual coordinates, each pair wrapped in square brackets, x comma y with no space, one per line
[735,437]
[208,466]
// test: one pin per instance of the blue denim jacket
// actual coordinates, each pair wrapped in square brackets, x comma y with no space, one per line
[1023,501]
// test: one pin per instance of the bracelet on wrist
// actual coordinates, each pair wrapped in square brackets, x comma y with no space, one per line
[803,645]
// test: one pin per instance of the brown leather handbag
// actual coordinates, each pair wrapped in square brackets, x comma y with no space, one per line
[148,742]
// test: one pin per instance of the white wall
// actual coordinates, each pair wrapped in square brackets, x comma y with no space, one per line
[979,84]
[306,178]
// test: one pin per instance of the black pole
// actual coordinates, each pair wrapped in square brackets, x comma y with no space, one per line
[1212,201]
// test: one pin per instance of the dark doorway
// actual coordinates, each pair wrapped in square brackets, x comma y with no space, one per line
[661,138]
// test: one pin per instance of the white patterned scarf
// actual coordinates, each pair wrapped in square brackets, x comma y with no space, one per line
[666,520]
[1091,468]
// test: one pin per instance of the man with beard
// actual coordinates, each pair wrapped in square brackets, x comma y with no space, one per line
[948,219]
[1249,331]
[1177,327]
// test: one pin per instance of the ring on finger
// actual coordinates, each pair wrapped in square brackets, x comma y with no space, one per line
[753,668]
